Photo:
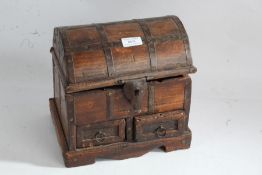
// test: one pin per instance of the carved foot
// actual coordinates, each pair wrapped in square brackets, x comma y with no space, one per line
[169,147]
[182,144]
[78,161]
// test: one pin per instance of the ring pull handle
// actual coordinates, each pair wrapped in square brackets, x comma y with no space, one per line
[134,92]
[100,137]
[161,131]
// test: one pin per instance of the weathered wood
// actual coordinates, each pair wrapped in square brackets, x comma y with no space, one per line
[100,133]
[71,120]
[97,56]
[118,102]
[97,106]
[188,89]
[161,125]
[134,92]
[118,151]
[169,94]
[90,107]
[129,129]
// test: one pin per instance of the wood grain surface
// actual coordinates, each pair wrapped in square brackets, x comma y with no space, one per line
[119,102]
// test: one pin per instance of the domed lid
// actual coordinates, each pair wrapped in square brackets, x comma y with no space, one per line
[100,55]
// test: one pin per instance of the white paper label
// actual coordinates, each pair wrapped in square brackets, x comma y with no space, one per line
[131,41]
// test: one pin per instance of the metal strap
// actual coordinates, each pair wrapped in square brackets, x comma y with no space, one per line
[183,34]
[107,50]
[150,44]
[109,102]
[129,129]
[151,98]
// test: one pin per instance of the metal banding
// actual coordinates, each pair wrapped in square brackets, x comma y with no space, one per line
[151,98]
[186,40]
[107,50]
[129,129]
[109,101]
[150,44]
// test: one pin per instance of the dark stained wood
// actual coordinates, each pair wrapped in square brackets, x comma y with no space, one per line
[150,43]
[160,125]
[188,89]
[57,90]
[130,59]
[115,32]
[167,51]
[169,94]
[134,91]
[118,102]
[101,133]
[120,105]
[160,36]
[89,65]
[71,120]
[90,107]
[63,113]
[186,42]
[162,27]
[107,50]
[85,36]
[96,105]
[129,129]
[93,84]
[118,151]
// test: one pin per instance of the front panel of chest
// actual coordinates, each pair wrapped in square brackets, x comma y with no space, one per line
[107,115]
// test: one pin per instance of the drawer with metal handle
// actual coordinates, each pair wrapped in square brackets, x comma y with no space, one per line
[100,133]
[160,125]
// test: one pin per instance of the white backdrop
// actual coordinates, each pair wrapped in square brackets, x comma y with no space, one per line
[226,114]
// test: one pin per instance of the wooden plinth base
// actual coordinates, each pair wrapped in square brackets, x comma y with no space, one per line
[122,150]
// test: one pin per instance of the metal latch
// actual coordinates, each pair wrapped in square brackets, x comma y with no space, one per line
[134,92]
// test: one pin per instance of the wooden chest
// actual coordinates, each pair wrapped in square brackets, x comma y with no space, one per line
[121,88]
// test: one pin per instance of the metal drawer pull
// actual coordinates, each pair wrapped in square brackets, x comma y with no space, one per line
[100,137]
[161,131]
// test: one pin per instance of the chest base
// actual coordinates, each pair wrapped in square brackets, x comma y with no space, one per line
[117,151]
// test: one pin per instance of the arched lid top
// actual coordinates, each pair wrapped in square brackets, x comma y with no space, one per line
[106,54]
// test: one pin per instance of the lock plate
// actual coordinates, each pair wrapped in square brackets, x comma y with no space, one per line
[134,91]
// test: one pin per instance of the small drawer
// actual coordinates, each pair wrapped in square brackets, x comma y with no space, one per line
[100,133]
[160,125]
